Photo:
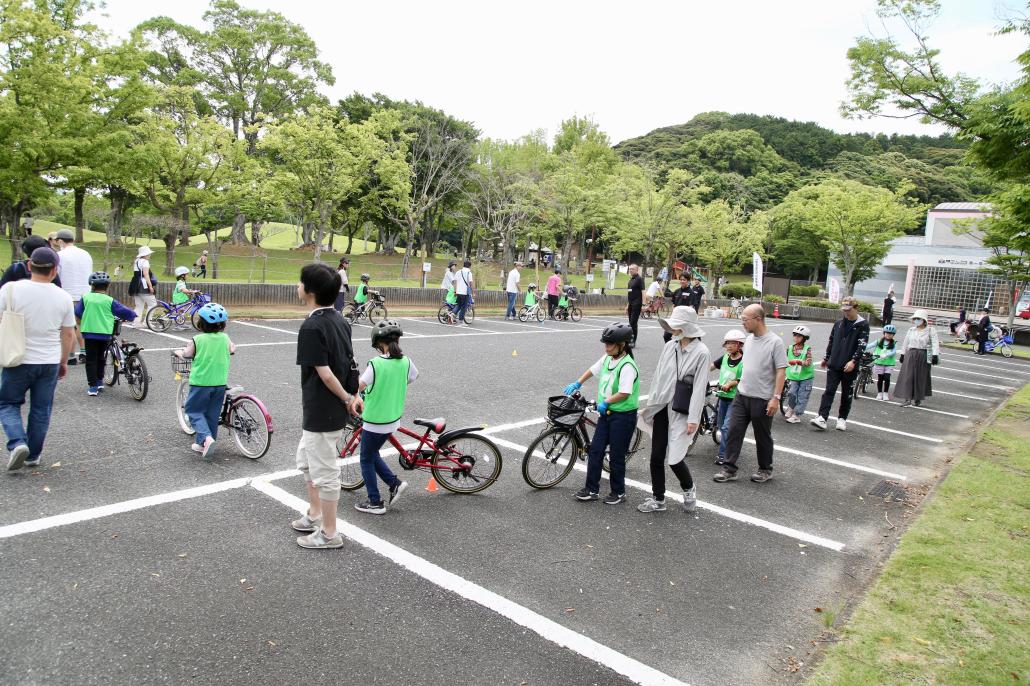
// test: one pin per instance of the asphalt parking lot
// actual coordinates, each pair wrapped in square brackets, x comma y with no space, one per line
[130,560]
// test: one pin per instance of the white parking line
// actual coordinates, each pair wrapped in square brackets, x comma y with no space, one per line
[546,628]
[159,333]
[967,371]
[928,439]
[995,361]
[839,463]
[262,326]
[913,407]
[945,378]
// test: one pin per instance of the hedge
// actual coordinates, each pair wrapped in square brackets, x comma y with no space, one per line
[810,291]
[738,290]
[826,304]
[773,298]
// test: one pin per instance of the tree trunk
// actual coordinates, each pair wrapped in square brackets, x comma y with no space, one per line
[305,232]
[239,232]
[255,232]
[332,236]
[115,220]
[169,241]
[323,221]
[80,220]
[408,246]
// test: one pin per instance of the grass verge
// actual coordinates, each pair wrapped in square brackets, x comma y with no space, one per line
[1017,351]
[951,606]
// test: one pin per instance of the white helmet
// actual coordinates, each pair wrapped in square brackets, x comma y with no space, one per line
[179,271]
[734,335]
[802,330]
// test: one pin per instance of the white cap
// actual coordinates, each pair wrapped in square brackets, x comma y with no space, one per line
[734,335]
[179,271]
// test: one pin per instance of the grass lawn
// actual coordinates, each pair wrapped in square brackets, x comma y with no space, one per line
[953,603]
[1020,351]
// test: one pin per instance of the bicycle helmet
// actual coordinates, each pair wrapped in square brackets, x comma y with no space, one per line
[890,328]
[734,335]
[385,329]
[213,313]
[617,333]
[99,279]
[531,286]
[31,243]
[180,271]
[802,330]
[365,277]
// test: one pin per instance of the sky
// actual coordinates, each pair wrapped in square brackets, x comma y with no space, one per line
[513,67]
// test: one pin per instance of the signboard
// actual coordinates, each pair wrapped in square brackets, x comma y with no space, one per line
[756,277]
[427,267]
[834,290]
[608,265]
[590,278]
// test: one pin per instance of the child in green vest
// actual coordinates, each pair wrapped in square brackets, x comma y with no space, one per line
[884,356]
[530,295]
[361,295]
[730,371]
[182,292]
[209,375]
[98,312]
[800,374]
[385,385]
[618,397]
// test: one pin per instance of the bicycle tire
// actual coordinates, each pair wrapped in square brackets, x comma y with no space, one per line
[476,451]
[195,318]
[539,314]
[377,313]
[1006,350]
[646,313]
[541,452]
[350,312]
[575,314]
[180,407]
[137,377]
[634,446]
[523,314]
[783,403]
[246,423]
[470,314]
[443,315]
[348,460]
[713,412]
[157,319]
[110,366]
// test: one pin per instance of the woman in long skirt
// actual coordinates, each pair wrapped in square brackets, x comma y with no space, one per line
[920,350]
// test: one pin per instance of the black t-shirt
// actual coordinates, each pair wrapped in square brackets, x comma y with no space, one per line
[681,297]
[20,270]
[636,289]
[733,363]
[324,340]
[696,293]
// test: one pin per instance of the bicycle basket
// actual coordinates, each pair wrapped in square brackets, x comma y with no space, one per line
[564,410]
[867,359]
[181,365]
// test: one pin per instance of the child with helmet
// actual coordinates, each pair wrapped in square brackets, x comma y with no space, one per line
[209,375]
[530,295]
[800,374]
[97,312]
[361,295]
[182,292]
[884,357]
[730,371]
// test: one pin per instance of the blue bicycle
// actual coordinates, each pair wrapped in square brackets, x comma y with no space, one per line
[163,316]
[448,314]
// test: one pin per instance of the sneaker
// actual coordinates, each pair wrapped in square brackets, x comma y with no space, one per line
[842,425]
[585,495]
[724,476]
[82,357]
[396,491]
[100,388]
[371,508]
[690,499]
[789,413]
[93,390]
[306,524]
[206,448]
[651,505]
[720,461]
[32,463]
[17,459]
[72,361]
[613,499]
[906,403]
[761,476]
[197,448]
[818,422]
[793,419]
[319,540]
[918,403]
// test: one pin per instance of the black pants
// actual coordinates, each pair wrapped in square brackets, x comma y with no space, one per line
[746,410]
[888,317]
[95,361]
[634,317]
[981,344]
[552,305]
[883,383]
[659,445]
[846,382]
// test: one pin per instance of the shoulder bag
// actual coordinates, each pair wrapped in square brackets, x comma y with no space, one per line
[684,389]
[12,333]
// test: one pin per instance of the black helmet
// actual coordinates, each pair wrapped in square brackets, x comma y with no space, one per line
[385,329]
[617,333]
[99,279]
[365,277]
[31,243]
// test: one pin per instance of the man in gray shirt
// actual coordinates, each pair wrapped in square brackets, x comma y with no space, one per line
[758,396]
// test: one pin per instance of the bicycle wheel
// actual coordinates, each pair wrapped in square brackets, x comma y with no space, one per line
[157,319]
[550,457]
[539,314]
[634,446]
[1006,350]
[523,314]
[249,431]
[783,403]
[443,314]
[468,464]
[377,314]
[136,375]
[576,314]
[194,318]
[350,312]
[646,313]
[713,413]
[470,314]
[348,450]
[867,377]
[180,407]
[110,366]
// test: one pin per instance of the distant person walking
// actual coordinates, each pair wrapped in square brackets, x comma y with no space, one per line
[76,266]
[464,288]
[143,285]
[848,339]
[635,298]
[697,295]
[512,289]
[920,350]
[983,328]
[680,298]
[553,290]
[887,313]
[341,297]
[201,264]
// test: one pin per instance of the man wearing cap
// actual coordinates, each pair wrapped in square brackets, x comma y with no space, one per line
[76,266]
[49,339]
[20,270]
[143,283]
[512,289]
[843,356]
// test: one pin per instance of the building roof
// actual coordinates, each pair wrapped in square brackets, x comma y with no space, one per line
[962,207]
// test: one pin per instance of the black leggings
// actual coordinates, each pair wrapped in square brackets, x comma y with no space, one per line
[659,444]
[883,383]
[95,361]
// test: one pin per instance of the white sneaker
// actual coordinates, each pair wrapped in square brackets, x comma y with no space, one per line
[789,413]
[793,419]
[842,425]
[818,422]
[690,499]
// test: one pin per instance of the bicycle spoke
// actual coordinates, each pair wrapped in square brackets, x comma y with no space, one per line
[467,465]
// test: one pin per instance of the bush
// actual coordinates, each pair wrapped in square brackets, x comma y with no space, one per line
[810,291]
[738,290]
[773,298]
[864,307]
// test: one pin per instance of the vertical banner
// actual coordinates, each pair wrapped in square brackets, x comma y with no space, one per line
[834,290]
[987,303]
[756,276]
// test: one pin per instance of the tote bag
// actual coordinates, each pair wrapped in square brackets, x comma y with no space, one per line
[12,334]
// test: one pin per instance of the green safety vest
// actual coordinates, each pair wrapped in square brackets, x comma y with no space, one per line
[451,298]
[884,356]
[178,297]
[564,302]
[210,360]
[361,295]
[799,372]
[727,374]
[530,299]
[97,313]
[608,384]
[384,399]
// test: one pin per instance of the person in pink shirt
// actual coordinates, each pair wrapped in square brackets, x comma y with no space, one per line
[553,292]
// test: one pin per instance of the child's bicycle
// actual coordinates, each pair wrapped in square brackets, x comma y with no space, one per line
[124,359]
[709,422]
[242,413]
[163,315]
[531,312]
[658,305]
[460,460]
[566,440]
[570,311]
[448,314]
[374,309]
[865,375]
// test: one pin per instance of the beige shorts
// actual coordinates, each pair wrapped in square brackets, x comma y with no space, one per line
[316,458]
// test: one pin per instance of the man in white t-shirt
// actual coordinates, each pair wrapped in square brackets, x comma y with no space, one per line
[74,270]
[49,317]
[464,289]
[514,276]
[653,291]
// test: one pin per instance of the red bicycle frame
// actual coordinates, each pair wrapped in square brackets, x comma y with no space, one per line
[415,458]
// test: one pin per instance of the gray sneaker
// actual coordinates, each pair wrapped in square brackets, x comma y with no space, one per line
[18,455]
[725,475]
[761,476]
[651,505]
[397,491]
[306,524]
[318,540]
[690,499]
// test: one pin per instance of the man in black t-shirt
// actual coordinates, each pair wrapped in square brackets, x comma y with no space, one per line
[635,298]
[681,297]
[697,295]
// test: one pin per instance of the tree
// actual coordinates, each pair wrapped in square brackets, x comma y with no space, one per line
[721,238]
[855,223]
[653,218]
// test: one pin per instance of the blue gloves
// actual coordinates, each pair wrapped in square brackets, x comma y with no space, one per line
[573,387]
[602,407]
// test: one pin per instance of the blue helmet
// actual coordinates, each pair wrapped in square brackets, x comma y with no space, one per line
[890,328]
[213,313]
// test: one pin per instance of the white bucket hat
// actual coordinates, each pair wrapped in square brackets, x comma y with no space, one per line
[734,335]
[921,314]
[144,251]
[685,318]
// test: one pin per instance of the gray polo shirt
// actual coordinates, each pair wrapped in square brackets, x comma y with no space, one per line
[763,355]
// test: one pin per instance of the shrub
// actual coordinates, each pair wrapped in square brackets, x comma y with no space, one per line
[810,291]
[864,307]
[738,290]
[773,298]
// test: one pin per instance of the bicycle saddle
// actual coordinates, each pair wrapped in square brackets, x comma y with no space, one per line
[435,425]
[234,390]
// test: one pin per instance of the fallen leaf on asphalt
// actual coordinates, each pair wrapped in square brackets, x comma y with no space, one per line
[818,609]
[182,554]
[154,574]
[114,535]
[243,581]
[46,489]
[570,609]
[248,588]
[802,545]
[271,643]
[672,583]
[55,465]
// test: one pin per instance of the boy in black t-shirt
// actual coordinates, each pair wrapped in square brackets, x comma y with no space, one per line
[325,355]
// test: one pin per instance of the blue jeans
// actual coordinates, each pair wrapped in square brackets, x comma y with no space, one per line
[204,408]
[723,421]
[463,303]
[511,305]
[372,464]
[40,381]
[614,431]
[798,393]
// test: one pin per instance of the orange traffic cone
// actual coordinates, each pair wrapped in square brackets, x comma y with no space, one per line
[776,310]
[431,486]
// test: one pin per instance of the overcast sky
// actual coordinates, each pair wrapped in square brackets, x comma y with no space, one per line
[511,67]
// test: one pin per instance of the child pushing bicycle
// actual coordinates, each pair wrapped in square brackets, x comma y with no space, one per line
[182,293]
[97,312]
[210,351]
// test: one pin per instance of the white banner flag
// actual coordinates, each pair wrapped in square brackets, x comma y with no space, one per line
[756,277]
[834,290]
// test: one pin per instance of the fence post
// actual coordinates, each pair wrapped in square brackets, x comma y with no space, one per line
[264,267]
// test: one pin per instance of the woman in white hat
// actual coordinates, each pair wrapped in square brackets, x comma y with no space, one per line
[673,409]
[143,285]
[920,349]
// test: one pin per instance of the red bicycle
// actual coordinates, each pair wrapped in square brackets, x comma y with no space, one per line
[460,460]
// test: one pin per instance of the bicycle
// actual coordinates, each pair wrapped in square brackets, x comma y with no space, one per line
[566,440]
[448,314]
[163,315]
[242,413]
[865,375]
[709,421]
[657,305]
[527,312]
[571,311]
[460,460]
[123,359]
[374,309]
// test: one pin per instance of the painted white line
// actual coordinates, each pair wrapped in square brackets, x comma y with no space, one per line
[928,439]
[995,361]
[546,628]
[158,333]
[731,514]
[913,407]
[967,371]
[501,428]
[839,463]
[945,378]
[238,345]
[262,326]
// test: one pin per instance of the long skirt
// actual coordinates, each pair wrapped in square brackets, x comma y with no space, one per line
[914,380]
